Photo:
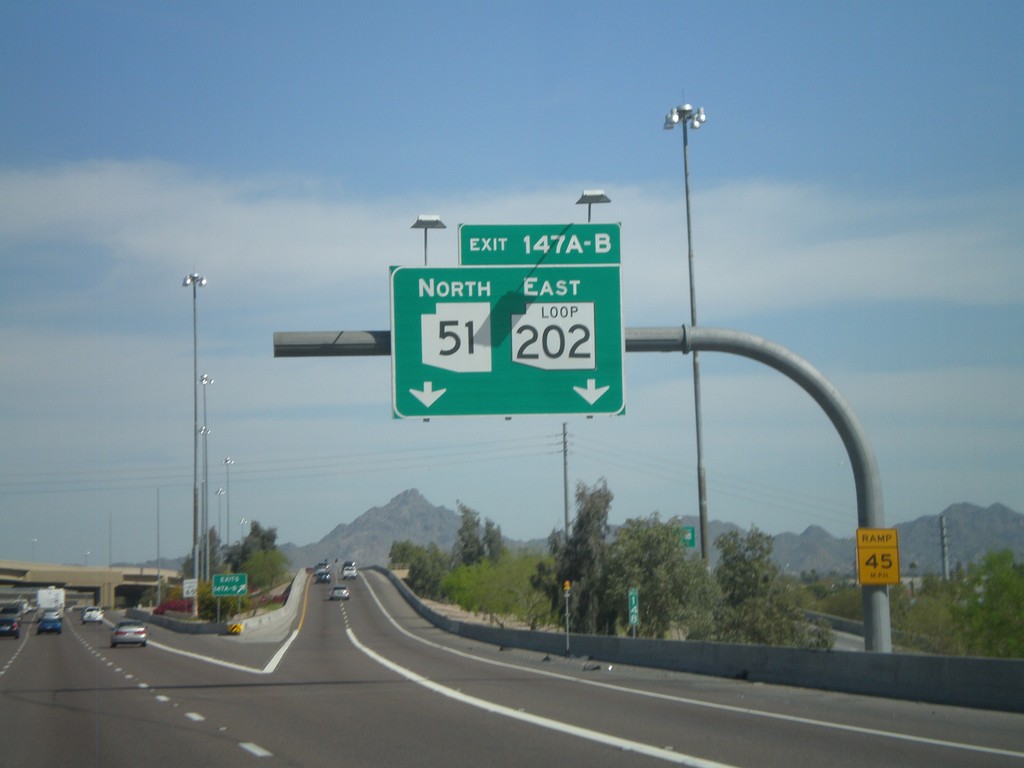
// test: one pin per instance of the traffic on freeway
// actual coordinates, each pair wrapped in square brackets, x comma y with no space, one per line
[365,681]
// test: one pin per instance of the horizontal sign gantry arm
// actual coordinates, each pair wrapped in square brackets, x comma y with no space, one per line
[378,343]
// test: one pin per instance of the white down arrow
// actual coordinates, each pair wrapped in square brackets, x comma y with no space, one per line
[427,395]
[591,393]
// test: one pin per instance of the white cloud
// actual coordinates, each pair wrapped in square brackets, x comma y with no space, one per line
[96,373]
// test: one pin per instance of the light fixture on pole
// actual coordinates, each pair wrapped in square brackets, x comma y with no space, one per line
[689,117]
[204,541]
[195,281]
[425,222]
[227,520]
[591,196]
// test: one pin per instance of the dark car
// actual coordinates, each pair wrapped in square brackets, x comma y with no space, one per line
[9,625]
[129,632]
[51,622]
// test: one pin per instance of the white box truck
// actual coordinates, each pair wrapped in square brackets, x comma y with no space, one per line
[51,599]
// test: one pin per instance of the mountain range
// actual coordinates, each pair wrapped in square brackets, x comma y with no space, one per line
[971,531]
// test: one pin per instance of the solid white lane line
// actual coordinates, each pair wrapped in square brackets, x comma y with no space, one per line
[707,704]
[544,722]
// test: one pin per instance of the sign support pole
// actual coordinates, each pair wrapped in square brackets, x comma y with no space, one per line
[870,509]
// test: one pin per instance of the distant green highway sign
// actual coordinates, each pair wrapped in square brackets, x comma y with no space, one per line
[547,244]
[506,340]
[230,584]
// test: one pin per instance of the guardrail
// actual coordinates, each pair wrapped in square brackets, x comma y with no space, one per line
[980,683]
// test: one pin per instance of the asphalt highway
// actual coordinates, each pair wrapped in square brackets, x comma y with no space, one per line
[366,682]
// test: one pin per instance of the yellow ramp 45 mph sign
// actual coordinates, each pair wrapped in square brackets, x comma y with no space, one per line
[878,556]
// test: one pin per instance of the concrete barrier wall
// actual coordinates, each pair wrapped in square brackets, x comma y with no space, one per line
[953,680]
[178,625]
[283,616]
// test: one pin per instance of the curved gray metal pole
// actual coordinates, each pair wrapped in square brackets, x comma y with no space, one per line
[870,512]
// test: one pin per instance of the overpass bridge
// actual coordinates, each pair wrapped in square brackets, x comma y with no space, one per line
[107,586]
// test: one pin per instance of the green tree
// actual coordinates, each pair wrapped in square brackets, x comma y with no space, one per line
[581,561]
[493,543]
[469,547]
[502,589]
[427,567]
[928,624]
[259,539]
[676,591]
[403,552]
[757,605]
[990,609]
[265,568]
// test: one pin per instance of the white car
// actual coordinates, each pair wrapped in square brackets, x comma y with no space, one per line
[348,570]
[92,614]
[340,592]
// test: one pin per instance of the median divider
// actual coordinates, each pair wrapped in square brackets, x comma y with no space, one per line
[279,619]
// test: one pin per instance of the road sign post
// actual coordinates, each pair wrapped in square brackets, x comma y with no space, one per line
[507,340]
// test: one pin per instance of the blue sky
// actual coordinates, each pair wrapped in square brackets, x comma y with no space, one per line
[856,196]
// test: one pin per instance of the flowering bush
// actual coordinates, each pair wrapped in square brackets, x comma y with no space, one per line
[177,605]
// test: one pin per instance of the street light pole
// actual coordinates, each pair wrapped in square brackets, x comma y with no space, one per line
[693,118]
[205,534]
[195,280]
[425,222]
[591,196]
[220,527]
[227,521]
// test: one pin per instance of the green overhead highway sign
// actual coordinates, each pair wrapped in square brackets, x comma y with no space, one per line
[506,340]
[548,244]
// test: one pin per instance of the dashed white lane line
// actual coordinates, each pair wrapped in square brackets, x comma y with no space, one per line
[252,748]
[255,749]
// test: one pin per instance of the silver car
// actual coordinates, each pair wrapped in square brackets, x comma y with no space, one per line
[129,632]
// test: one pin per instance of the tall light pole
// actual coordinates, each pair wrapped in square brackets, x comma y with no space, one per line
[689,117]
[159,576]
[195,280]
[425,222]
[228,461]
[205,537]
[220,527]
